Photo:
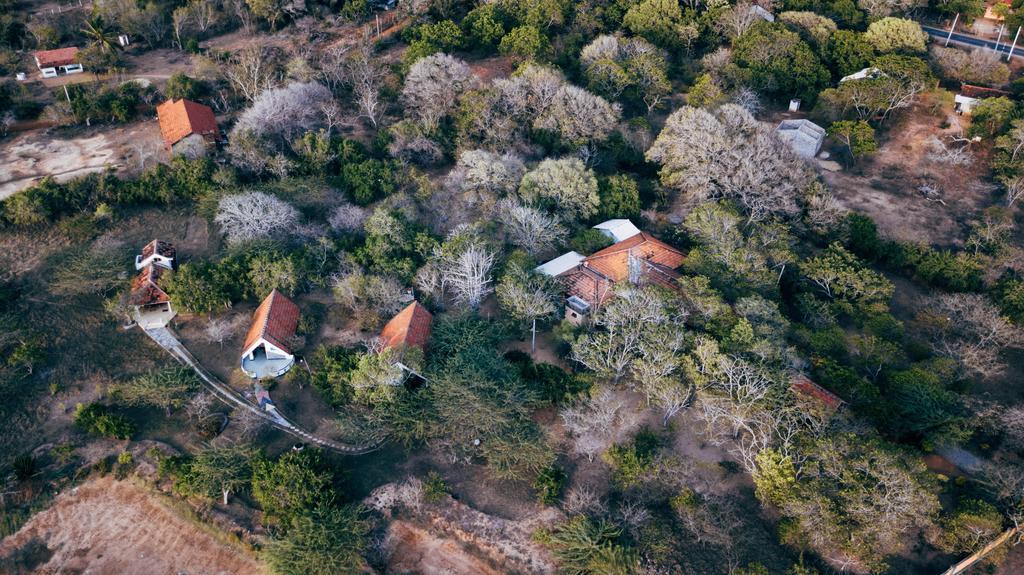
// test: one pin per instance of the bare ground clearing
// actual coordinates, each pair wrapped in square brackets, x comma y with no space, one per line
[885,186]
[29,157]
[109,526]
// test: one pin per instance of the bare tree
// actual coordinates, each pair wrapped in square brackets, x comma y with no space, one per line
[365,75]
[1014,189]
[593,422]
[529,228]
[255,215]
[579,117]
[433,86]
[347,217]
[200,405]
[251,71]
[728,154]
[734,21]
[971,330]
[461,267]
[223,328]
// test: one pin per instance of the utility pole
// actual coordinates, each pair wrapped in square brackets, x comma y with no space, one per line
[533,341]
[1000,35]
[1012,47]
[951,28]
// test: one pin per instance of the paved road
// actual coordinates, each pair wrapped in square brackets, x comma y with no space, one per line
[964,39]
[166,339]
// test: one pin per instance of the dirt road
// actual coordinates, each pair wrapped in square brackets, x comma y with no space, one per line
[113,527]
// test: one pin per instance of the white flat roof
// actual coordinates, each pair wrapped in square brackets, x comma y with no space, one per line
[618,230]
[561,264]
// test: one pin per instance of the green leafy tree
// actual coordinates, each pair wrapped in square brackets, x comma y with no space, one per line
[992,116]
[525,44]
[220,471]
[428,39]
[483,27]
[619,197]
[969,10]
[195,287]
[858,137]
[845,280]
[167,389]
[659,21]
[583,546]
[847,52]
[180,85]
[101,34]
[527,296]
[96,418]
[972,526]
[288,487]
[325,540]
[270,10]
[896,35]
[779,62]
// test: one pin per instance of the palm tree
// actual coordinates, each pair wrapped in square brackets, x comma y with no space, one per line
[101,35]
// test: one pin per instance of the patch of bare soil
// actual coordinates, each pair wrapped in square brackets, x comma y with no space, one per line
[886,186]
[29,157]
[109,526]
[472,542]
[419,551]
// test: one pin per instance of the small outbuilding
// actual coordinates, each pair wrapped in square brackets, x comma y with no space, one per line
[151,306]
[618,230]
[803,136]
[561,264]
[865,74]
[970,96]
[53,63]
[805,387]
[268,345]
[156,253]
[182,120]
[409,329]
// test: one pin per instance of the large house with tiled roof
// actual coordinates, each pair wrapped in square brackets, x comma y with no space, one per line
[181,119]
[640,259]
[60,61]
[151,306]
[267,351]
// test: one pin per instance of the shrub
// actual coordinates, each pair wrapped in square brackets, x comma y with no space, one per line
[549,484]
[96,419]
[631,463]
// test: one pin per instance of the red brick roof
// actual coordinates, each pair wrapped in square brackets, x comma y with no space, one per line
[58,57]
[146,288]
[613,261]
[182,118]
[981,91]
[806,387]
[594,279]
[410,328]
[158,247]
[275,321]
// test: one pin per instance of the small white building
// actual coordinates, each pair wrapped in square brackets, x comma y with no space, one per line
[865,74]
[267,351]
[618,230]
[561,264]
[964,104]
[52,63]
[762,13]
[157,253]
[803,136]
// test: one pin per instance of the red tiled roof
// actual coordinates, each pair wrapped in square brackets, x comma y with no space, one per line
[613,261]
[158,247]
[146,288]
[804,386]
[593,280]
[410,328]
[182,118]
[58,57]
[981,91]
[275,321]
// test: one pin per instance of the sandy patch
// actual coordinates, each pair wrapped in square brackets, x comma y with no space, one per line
[107,526]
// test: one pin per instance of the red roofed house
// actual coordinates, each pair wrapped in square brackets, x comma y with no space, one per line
[185,119]
[409,329]
[59,61]
[150,303]
[804,386]
[267,350]
[157,253]
[639,260]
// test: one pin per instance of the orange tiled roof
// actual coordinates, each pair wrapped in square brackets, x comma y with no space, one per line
[411,327]
[146,288]
[275,321]
[806,387]
[981,91]
[182,118]
[158,247]
[613,261]
[58,57]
